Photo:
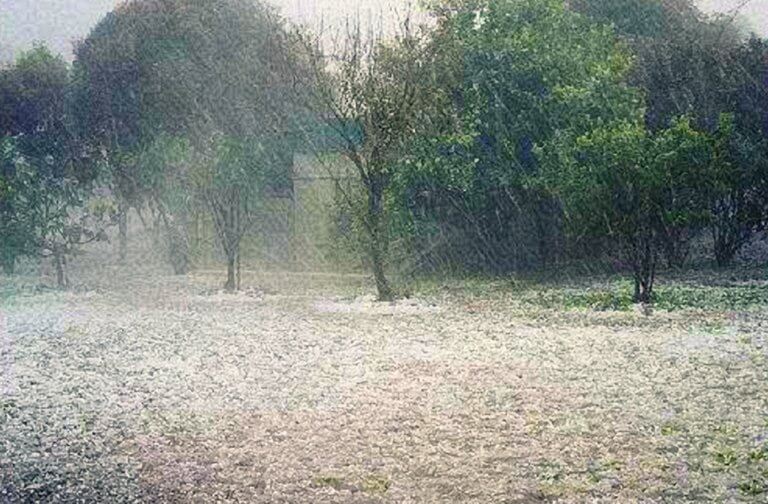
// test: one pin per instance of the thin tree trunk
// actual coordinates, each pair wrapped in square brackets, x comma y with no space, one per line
[238,236]
[643,290]
[178,246]
[677,247]
[231,283]
[123,232]
[378,239]
[230,236]
[60,262]
[645,274]
[383,288]
[727,244]
[239,270]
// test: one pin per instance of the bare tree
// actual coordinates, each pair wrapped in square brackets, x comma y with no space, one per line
[373,94]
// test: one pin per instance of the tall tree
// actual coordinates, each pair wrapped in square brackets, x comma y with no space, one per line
[523,71]
[375,95]
[46,174]
[702,67]
[210,71]
[738,195]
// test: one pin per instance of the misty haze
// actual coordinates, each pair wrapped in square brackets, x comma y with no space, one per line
[323,251]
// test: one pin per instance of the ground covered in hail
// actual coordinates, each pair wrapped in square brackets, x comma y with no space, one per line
[303,389]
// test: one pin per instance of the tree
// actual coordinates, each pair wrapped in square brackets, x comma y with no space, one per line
[738,196]
[212,72]
[703,67]
[46,175]
[519,72]
[711,74]
[641,19]
[16,238]
[32,110]
[631,186]
[231,178]
[162,167]
[53,213]
[376,96]
[111,68]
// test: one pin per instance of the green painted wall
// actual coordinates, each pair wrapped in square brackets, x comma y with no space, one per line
[304,231]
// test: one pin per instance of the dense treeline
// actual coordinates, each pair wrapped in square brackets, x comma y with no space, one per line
[504,135]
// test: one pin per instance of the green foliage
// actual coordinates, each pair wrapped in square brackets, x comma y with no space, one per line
[33,100]
[525,77]
[376,484]
[329,481]
[159,66]
[635,188]
[581,299]
[531,69]
[509,135]
[753,487]
[680,297]
[44,209]
[738,192]
[517,74]
[45,174]
[204,88]
[641,20]
[675,297]
[16,235]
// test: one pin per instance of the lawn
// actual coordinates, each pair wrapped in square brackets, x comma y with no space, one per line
[145,387]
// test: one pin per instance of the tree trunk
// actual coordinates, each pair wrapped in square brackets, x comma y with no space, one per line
[726,244]
[378,238]
[644,259]
[178,251]
[239,270]
[383,288]
[548,229]
[677,247]
[724,253]
[231,284]
[731,230]
[643,290]
[122,225]
[230,234]
[178,245]
[60,262]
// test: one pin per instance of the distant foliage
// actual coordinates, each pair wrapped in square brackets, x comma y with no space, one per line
[636,188]
[502,136]
[46,175]
[211,76]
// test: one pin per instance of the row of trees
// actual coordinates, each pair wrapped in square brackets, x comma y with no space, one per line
[170,106]
[527,131]
[537,131]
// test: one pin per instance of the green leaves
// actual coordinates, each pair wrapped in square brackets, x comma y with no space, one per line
[623,174]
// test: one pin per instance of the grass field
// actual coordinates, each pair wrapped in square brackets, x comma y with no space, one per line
[132,387]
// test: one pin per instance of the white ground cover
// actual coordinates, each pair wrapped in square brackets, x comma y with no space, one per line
[169,390]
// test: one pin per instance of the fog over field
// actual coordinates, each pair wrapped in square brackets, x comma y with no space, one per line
[59,22]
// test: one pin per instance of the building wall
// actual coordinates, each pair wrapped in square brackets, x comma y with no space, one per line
[299,230]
